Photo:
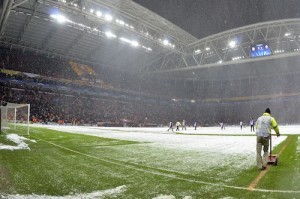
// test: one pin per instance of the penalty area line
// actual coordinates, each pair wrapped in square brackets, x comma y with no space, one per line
[173,176]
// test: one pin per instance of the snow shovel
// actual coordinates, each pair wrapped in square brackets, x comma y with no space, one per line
[273,159]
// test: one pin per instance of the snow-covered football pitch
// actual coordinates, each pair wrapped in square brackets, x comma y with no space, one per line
[231,151]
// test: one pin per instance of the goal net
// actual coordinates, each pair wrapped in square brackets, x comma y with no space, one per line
[15,118]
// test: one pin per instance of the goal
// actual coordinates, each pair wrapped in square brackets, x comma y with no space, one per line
[15,118]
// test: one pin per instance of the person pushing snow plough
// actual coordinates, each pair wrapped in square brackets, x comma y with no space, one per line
[264,125]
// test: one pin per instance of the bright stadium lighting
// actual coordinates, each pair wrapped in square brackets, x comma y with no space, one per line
[125,40]
[134,43]
[287,34]
[120,22]
[98,14]
[91,11]
[232,44]
[59,18]
[108,17]
[147,48]
[196,52]
[165,42]
[110,34]
[207,48]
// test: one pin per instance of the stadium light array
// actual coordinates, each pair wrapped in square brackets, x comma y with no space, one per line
[62,19]
[279,51]
[120,22]
[237,58]
[109,18]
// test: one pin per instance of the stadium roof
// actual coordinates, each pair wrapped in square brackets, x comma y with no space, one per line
[123,35]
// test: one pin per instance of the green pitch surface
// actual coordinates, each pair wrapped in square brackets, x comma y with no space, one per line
[64,164]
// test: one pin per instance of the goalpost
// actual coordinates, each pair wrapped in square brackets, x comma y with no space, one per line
[15,118]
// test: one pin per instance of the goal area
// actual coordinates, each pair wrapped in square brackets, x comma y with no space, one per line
[15,118]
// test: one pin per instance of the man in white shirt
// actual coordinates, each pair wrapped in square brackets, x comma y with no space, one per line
[264,125]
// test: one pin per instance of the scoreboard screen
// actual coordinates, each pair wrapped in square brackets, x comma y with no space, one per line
[260,50]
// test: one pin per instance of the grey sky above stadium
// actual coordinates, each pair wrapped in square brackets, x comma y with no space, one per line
[202,18]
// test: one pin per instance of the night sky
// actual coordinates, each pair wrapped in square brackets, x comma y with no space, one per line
[202,18]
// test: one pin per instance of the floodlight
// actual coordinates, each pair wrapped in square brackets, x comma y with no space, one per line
[196,52]
[287,34]
[99,14]
[108,17]
[110,34]
[91,11]
[59,18]
[232,44]
[165,42]
[207,48]
[135,43]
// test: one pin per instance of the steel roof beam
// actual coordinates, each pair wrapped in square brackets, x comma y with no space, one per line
[5,11]
[16,4]
[28,19]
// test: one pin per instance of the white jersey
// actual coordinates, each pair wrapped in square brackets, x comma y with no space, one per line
[263,126]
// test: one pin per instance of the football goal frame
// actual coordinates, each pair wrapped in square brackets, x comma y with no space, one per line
[13,115]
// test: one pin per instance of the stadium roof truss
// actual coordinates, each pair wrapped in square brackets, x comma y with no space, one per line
[234,46]
[95,31]
[126,36]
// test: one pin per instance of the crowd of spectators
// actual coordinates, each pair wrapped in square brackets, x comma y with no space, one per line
[72,108]
[26,61]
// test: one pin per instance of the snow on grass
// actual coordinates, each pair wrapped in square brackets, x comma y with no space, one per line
[165,197]
[245,144]
[19,140]
[94,195]
[213,151]
[203,150]
[170,197]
